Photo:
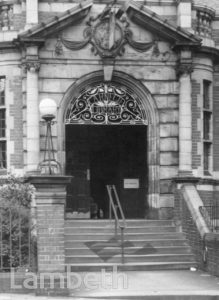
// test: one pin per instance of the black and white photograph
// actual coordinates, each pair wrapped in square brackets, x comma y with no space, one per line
[109,149]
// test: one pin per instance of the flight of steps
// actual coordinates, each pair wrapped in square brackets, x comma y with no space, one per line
[91,245]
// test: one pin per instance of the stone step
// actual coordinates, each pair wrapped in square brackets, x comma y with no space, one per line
[136,266]
[98,236]
[99,250]
[148,245]
[109,223]
[70,259]
[127,230]
[150,296]
[137,243]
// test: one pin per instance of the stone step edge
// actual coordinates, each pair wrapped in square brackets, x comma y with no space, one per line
[112,220]
[134,241]
[163,295]
[113,227]
[132,264]
[172,248]
[130,233]
[132,255]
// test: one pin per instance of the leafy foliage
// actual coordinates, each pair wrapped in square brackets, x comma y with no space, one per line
[16,224]
[16,192]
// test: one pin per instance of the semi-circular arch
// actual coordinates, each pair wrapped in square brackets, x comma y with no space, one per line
[150,111]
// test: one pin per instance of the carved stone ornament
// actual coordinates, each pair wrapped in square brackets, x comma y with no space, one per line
[108,34]
[32,66]
[184,69]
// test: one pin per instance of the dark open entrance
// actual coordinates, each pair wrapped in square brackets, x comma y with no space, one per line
[98,155]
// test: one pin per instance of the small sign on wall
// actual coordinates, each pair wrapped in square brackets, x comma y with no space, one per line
[131,183]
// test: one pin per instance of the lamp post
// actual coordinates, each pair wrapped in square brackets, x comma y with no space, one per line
[49,165]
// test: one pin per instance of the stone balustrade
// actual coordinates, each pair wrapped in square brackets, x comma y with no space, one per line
[6,15]
[202,22]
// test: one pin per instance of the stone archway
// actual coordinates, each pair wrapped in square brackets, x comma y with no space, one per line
[148,112]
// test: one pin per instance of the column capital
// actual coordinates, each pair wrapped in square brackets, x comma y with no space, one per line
[31,66]
[182,1]
[184,69]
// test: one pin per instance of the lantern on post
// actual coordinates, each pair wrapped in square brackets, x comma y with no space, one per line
[49,165]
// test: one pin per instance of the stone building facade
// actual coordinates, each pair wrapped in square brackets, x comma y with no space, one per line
[136,85]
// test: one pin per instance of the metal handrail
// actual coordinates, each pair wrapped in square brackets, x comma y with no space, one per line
[118,223]
[211,215]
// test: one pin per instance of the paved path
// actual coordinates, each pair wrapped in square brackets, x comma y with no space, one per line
[138,284]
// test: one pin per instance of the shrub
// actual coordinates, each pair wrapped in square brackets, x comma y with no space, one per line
[16,223]
[15,192]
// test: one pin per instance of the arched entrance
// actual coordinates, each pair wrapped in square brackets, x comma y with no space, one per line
[110,137]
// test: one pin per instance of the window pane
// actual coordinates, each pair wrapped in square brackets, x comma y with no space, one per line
[3,159]
[2,122]
[207,155]
[206,92]
[207,125]
[2,91]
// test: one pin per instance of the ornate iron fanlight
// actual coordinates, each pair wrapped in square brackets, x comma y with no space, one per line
[106,104]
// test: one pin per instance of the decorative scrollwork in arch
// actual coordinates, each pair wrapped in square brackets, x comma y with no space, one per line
[106,104]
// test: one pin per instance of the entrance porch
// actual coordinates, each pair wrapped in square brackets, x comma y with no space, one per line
[100,155]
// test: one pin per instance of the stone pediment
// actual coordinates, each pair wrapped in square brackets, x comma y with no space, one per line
[149,20]
[56,24]
[108,32]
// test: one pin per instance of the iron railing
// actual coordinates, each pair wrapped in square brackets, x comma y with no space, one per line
[17,239]
[115,206]
[211,215]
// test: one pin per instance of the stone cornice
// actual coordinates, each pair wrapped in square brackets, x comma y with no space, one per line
[23,42]
[205,9]
[7,45]
[45,180]
[214,52]
[196,180]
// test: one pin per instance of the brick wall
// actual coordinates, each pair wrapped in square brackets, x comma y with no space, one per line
[50,208]
[207,197]
[16,134]
[196,134]
[216,122]
[212,243]
[19,21]
[192,235]
[50,224]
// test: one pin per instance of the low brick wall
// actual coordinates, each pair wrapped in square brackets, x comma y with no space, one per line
[212,243]
[192,235]
[206,249]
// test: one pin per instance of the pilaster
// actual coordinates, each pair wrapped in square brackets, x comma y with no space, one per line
[32,66]
[185,118]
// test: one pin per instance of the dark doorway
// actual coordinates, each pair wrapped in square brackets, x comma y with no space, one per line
[101,155]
